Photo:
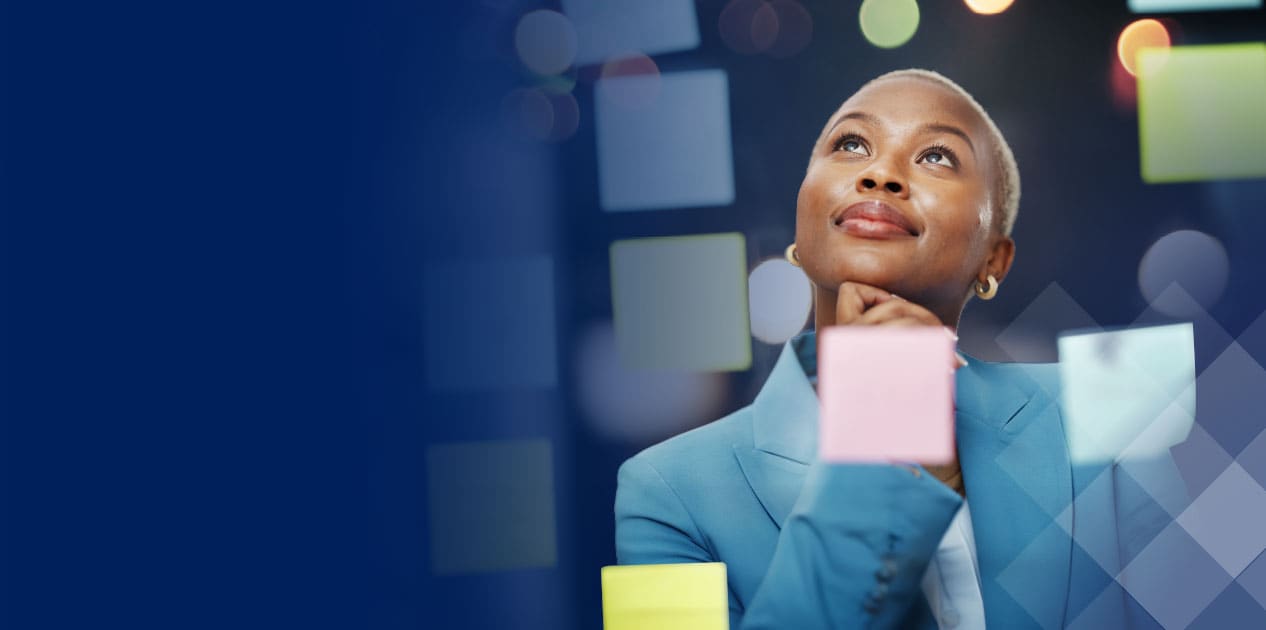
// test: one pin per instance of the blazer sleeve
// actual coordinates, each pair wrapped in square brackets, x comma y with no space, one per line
[851,554]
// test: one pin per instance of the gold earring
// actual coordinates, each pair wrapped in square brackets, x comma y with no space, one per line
[987,294]
[791,255]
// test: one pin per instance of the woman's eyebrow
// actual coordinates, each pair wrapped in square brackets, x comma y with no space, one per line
[950,129]
[862,116]
[927,128]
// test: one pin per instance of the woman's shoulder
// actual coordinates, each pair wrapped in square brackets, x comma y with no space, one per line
[709,446]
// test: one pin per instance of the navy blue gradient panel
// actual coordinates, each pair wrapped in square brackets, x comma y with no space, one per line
[260,259]
[195,278]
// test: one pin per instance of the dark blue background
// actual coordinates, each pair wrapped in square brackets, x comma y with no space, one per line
[216,218]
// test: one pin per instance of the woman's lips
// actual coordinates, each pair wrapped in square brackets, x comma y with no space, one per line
[874,219]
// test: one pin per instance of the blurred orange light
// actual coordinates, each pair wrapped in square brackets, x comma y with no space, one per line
[988,7]
[1140,34]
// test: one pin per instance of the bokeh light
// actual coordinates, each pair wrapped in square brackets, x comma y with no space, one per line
[988,7]
[632,94]
[566,116]
[545,41]
[639,406]
[764,26]
[779,28]
[541,114]
[795,29]
[1194,260]
[779,300]
[1140,34]
[738,25]
[889,23]
[528,111]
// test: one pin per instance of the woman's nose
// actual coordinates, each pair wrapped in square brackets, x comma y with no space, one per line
[890,181]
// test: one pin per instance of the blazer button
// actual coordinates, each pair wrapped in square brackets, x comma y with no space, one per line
[887,571]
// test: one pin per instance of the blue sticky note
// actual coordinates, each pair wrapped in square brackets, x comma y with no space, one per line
[610,28]
[669,147]
[489,324]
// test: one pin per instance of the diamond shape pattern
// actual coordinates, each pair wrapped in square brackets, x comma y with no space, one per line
[1210,338]
[1200,459]
[1232,397]
[1253,458]
[1227,519]
[1173,578]
[1031,336]
[1253,579]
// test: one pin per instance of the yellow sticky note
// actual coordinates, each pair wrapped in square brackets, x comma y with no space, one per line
[665,597]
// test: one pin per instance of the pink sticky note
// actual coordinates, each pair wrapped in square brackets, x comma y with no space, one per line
[887,394]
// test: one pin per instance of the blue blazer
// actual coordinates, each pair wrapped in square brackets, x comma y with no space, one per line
[812,545]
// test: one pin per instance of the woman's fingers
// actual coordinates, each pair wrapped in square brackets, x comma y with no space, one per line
[895,309]
[855,298]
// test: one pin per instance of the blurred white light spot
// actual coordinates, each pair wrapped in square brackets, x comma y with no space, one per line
[780,298]
[988,7]
[640,406]
[545,41]
[1194,260]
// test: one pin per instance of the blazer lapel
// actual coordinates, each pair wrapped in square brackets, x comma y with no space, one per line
[1018,480]
[1015,468]
[784,435]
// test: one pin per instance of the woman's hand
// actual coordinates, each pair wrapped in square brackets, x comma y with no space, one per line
[865,305]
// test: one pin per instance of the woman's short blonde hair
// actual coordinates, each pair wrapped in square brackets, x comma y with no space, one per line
[1007,173]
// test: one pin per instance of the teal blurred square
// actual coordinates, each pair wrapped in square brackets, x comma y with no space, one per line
[491,506]
[1128,394]
[680,302]
[1200,112]
[1176,6]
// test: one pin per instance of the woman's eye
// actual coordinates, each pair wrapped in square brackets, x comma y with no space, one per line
[851,146]
[938,157]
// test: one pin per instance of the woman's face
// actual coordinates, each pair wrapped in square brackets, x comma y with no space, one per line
[898,194]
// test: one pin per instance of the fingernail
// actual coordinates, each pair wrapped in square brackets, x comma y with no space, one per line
[961,361]
[949,331]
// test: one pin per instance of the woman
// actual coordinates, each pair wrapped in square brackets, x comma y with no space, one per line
[904,214]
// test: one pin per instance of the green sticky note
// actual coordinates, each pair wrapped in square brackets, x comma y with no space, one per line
[665,597]
[680,302]
[1201,112]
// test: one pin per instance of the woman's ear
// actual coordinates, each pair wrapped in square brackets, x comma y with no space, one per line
[1000,259]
